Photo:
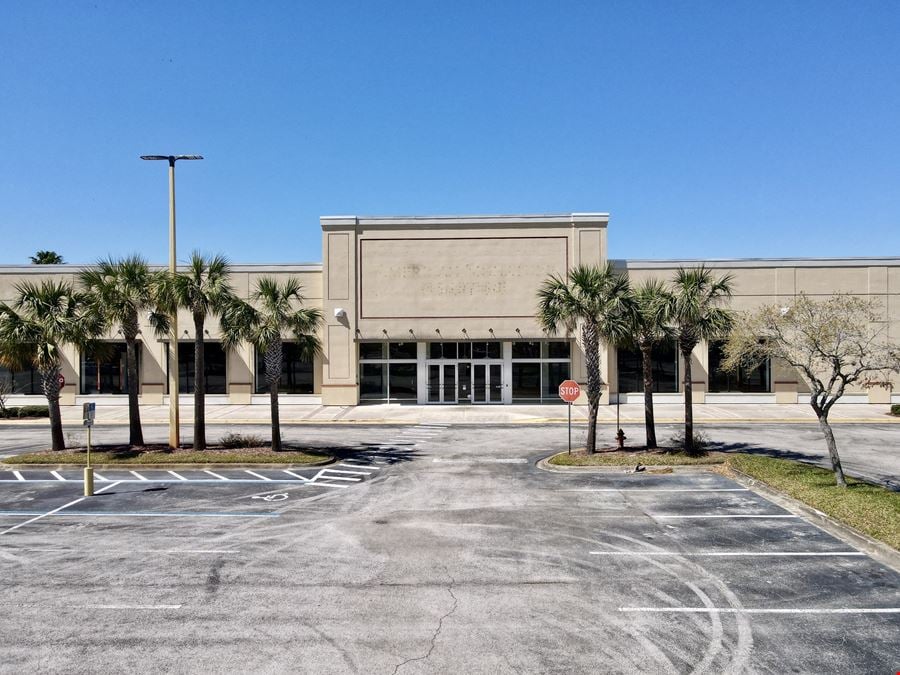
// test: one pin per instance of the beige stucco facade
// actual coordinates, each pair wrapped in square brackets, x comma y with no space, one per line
[464,284]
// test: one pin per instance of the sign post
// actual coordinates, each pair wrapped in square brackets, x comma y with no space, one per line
[569,391]
[88,410]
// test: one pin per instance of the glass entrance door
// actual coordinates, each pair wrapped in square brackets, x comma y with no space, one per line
[487,383]
[464,375]
[442,383]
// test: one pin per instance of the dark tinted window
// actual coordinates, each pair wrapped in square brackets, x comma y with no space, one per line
[558,350]
[372,383]
[296,374]
[214,361]
[403,381]
[554,375]
[526,350]
[526,381]
[665,369]
[26,381]
[402,350]
[371,350]
[108,374]
[744,380]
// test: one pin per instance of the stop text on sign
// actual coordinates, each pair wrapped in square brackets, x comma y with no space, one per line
[569,391]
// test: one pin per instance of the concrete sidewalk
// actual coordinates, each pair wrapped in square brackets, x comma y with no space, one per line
[485,414]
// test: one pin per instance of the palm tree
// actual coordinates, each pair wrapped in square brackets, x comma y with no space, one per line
[119,291]
[650,327]
[277,311]
[697,316]
[46,258]
[205,291]
[43,320]
[598,300]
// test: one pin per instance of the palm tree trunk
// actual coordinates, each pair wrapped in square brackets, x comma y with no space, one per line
[199,385]
[273,362]
[832,449]
[688,400]
[50,385]
[591,340]
[276,422]
[649,422]
[135,432]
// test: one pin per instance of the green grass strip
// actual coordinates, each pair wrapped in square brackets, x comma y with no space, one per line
[632,458]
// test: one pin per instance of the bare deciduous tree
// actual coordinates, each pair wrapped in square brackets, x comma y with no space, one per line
[834,344]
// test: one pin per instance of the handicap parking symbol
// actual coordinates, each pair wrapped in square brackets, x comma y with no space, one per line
[280,497]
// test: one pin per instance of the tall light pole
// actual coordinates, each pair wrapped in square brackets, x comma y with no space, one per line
[174,425]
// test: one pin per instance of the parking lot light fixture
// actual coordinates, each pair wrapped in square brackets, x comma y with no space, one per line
[174,425]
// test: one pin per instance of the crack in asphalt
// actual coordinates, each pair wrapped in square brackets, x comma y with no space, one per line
[437,630]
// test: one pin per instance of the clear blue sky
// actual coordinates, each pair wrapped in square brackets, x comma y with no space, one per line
[706,129]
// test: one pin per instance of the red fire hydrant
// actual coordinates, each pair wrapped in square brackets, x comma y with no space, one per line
[620,438]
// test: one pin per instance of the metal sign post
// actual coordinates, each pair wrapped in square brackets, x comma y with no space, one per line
[88,410]
[569,391]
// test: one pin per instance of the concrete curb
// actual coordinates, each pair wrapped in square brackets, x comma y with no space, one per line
[877,549]
[545,465]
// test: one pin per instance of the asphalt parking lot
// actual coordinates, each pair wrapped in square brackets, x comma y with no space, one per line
[462,557]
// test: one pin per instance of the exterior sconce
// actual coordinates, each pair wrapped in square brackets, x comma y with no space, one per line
[340,313]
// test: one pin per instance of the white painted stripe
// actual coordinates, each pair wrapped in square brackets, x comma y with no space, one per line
[295,475]
[100,478]
[511,460]
[659,490]
[774,610]
[137,475]
[360,466]
[729,554]
[330,477]
[322,482]
[727,515]
[362,473]
[36,518]
[215,475]
[56,475]
[18,475]
[177,475]
[258,475]
[142,607]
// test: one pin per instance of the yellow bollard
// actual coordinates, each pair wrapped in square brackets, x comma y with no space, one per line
[88,481]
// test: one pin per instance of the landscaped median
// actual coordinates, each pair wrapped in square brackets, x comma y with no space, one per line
[871,509]
[181,457]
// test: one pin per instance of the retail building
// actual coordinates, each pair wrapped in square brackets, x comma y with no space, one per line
[441,310]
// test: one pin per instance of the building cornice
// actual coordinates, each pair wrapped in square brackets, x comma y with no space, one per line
[75,268]
[343,222]
[728,263]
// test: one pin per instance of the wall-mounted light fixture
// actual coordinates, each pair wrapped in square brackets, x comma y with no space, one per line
[340,313]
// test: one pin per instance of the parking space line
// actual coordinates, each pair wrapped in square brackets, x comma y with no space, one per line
[657,490]
[253,473]
[100,478]
[137,475]
[355,480]
[360,466]
[337,485]
[722,515]
[772,610]
[362,473]
[54,511]
[215,474]
[18,475]
[177,475]
[730,554]
[295,475]
[57,475]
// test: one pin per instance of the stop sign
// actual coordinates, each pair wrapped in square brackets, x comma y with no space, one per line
[61,379]
[569,391]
